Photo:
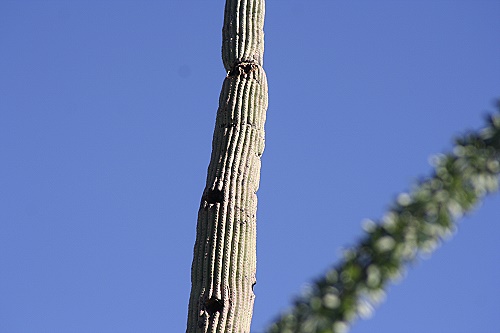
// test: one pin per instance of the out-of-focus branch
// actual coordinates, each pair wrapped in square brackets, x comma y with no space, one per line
[416,223]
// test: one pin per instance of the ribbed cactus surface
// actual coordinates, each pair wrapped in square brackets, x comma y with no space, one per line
[224,262]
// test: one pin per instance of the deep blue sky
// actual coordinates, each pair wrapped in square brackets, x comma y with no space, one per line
[106,117]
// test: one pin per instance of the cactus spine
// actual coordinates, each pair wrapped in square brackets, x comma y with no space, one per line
[224,262]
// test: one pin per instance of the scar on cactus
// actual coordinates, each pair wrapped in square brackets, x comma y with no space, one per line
[243,68]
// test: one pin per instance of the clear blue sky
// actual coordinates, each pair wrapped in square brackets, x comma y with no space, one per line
[106,117]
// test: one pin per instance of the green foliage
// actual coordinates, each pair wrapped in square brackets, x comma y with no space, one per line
[416,223]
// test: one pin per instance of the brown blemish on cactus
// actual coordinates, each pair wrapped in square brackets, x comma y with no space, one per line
[243,68]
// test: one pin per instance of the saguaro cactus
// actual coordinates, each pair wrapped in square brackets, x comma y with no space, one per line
[224,263]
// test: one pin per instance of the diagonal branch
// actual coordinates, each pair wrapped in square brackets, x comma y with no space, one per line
[417,222]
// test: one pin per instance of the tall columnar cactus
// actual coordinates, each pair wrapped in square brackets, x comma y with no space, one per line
[224,263]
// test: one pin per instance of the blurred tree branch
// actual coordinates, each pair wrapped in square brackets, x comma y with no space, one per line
[417,222]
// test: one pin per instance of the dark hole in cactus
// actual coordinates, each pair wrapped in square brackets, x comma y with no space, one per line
[213,305]
[214,196]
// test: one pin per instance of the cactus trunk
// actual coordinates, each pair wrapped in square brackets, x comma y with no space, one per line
[224,262]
